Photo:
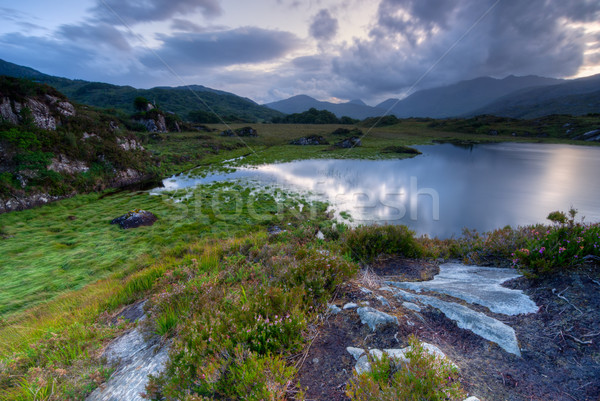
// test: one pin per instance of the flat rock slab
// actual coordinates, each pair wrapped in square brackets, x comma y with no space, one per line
[136,360]
[484,326]
[476,285]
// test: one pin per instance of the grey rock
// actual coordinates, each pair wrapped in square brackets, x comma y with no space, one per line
[376,353]
[355,352]
[363,365]
[350,305]
[476,285]
[135,359]
[472,399]
[334,309]
[411,306]
[365,290]
[7,112]
[383,301]
[62,164]
[129,144]
[397,354]
[374,318]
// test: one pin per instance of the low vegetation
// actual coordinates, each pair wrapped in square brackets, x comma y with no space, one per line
[314,116]
[423,376]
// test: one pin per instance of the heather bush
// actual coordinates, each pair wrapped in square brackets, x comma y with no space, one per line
[423,376]
[563,245]
[368,242]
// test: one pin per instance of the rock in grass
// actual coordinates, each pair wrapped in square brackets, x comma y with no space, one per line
[374,318]
[349,143]
[310,140]
[135,218]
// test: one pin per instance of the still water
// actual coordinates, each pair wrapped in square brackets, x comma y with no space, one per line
[447,188]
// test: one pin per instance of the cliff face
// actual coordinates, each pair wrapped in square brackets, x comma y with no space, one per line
[51,148]
[41,111]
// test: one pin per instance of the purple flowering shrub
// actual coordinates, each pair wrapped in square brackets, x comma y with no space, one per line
[563,245]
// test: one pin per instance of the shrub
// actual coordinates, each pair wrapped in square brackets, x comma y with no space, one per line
[255,377]
[561,246]
[423,377]
[368,242]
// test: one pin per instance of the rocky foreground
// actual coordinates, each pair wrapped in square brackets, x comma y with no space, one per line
[511,338]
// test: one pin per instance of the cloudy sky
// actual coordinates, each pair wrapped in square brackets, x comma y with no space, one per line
[333,50]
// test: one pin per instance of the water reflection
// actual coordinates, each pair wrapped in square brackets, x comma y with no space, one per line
[447,188]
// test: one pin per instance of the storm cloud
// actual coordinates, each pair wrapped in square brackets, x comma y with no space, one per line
[153,10]
[535,37]
[324,26]
[189,51]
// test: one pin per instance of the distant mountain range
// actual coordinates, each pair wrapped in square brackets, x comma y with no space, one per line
[517,97]
[298,104]
[575,97]
[180,100]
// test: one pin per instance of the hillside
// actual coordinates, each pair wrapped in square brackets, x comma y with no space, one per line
[179,100]
[462,97]
[52,148]
[575,97]
[300,103]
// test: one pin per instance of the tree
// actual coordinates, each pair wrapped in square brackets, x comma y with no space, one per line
[140,103]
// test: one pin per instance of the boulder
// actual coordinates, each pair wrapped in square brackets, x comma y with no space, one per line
[135,218]
[246,131]
[310,140]
[349,143]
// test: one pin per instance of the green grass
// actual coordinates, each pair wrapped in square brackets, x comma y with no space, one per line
[65,245]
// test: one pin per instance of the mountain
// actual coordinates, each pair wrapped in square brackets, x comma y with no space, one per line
[461,98]
[180,100]
[300,103]
[576,97]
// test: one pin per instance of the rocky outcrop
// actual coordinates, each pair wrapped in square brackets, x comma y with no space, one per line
[7,112]
[135,218]
[127,177]
[45,112]
[26,202]
[62,164]
[310,140]
[158,124]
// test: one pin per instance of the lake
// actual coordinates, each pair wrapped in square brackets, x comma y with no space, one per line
[447,188]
